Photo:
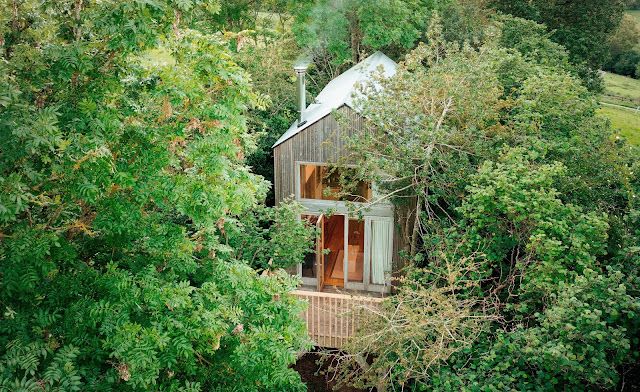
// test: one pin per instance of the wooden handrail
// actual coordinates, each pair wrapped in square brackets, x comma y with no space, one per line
[309,293]
[332,318]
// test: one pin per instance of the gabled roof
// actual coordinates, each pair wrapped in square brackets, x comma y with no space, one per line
[341,91]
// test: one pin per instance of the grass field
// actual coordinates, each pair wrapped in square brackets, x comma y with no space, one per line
[627,121]
[635,14]
[622,91]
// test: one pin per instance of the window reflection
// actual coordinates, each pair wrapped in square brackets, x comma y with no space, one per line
[323,183]
[309,263]
[356,250]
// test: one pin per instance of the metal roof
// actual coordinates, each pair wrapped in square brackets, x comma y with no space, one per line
[341,91]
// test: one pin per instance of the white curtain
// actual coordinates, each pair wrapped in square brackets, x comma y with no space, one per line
[381,244]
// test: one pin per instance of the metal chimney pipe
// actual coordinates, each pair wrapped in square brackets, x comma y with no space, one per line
[301,91]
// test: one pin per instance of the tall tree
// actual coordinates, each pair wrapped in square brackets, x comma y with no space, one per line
[122,180]
[522,263]
[347,30]
[583,27]
[624,56]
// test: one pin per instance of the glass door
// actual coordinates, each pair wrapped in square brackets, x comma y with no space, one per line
[309,267]
[350,253]
[369,253]
[334,250]
[355,250]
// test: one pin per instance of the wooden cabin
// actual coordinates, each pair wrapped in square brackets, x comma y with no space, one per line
[354,257]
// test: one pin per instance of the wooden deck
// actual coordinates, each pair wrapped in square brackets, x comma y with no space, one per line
[333,317]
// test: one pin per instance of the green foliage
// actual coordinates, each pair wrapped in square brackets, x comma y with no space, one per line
[532,41]
[516,89]
[627,63]
[512,297]
[242,15]
[342,34]
[581,27]
[60,375]
[575,344]
[527,304]
[122,143]
[578,341]
[346,29]
[273,238]
[526,237]
[582,336]
[269,61]
[423,111]
[511,206]
[557,111]
[464,20]
[624,40]
[417,329]
[625,48]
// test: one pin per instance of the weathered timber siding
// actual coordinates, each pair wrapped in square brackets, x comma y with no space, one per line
[322,142]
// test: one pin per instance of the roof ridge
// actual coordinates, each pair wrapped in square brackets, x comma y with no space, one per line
[339,90]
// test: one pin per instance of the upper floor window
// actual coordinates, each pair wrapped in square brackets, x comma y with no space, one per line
[323,183]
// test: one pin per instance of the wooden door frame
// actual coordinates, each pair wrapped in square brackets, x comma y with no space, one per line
[334,281]
[365,285]
[320,254]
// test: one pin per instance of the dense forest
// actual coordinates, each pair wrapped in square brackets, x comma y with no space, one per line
[141,250]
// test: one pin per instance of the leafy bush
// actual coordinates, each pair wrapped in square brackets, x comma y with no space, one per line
[272,238]
[627,63]
[624,47]
[524,249]
[122,143]
[582,28]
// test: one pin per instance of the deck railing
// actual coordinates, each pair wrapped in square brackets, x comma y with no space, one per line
[333,318]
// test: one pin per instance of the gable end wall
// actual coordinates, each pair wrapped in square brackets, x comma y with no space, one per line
[322,142]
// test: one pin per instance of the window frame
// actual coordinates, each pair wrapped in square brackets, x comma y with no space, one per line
[365,285]
[380,210]
[382,207]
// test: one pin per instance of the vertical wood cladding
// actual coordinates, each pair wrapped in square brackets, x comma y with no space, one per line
[321,142]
